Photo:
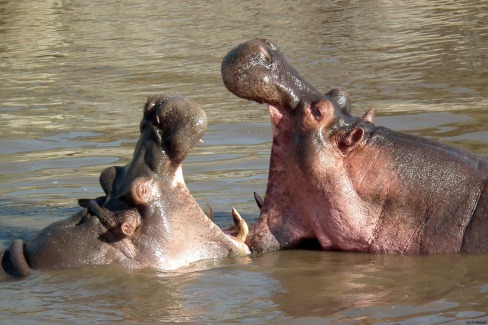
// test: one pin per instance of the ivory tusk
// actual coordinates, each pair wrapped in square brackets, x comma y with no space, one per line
[241,225]
[259,200]
[209,212]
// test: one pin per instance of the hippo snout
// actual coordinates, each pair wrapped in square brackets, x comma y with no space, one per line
[256,70]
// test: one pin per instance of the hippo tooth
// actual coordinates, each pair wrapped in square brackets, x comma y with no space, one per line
[259,200]
[209,211]
[178,177]
[241,225]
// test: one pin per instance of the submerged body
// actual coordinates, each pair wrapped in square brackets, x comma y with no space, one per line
[147,218]
[348,184]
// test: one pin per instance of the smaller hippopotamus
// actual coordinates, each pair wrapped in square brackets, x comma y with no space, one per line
[346,184]
[147,217]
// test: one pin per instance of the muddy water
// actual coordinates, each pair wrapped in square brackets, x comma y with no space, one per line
[74,76]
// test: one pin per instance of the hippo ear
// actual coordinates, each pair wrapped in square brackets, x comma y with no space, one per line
[129,221]
[369,116]
[351,140]
[128,229]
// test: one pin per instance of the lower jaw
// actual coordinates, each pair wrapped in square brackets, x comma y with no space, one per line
[261,239]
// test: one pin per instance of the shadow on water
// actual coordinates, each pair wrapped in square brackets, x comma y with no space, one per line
[294,286]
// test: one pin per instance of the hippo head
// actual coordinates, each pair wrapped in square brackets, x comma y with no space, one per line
[147,217]
[170,127]
[339,182]
[311,131]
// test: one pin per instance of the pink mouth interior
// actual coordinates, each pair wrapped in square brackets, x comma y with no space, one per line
[280,206]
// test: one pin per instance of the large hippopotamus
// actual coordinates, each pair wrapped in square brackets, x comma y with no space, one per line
[147,218]
[346,184]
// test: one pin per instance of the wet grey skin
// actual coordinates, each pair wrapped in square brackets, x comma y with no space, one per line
[339,182]
[147,217]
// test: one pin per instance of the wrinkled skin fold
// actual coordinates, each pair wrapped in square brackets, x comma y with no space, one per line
[342,182]
[147,217]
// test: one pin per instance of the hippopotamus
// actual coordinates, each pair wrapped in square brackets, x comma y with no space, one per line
[339,182]
[147,217]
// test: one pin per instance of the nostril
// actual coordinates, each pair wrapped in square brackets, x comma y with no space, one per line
[265,54]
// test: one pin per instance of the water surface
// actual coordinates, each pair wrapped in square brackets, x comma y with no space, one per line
[74,77]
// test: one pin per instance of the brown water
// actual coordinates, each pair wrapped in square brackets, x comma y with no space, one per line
[74,77]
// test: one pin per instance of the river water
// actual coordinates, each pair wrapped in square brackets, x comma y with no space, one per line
[75,74]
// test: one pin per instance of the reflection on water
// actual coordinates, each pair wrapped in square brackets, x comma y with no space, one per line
[302,287]
[75,75]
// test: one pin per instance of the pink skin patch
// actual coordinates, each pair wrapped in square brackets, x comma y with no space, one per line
[279,210]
